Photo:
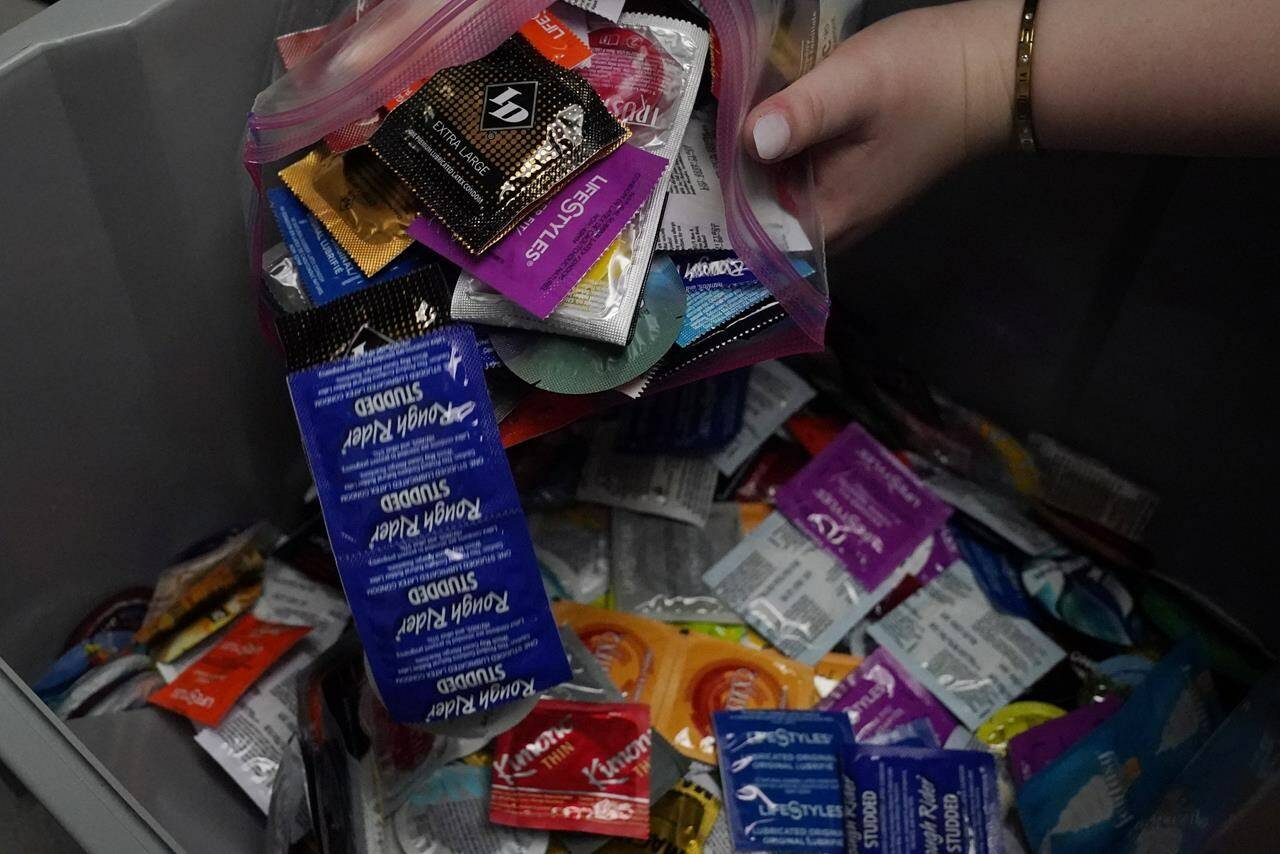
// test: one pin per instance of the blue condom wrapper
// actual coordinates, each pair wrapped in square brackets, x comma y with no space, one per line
[426,527]
[326,269]
[913,800]
[781,777]
[1112,779]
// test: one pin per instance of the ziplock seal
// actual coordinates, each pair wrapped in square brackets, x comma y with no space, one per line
[735,25]
[444,33]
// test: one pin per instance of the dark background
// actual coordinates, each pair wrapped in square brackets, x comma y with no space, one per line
[1124,305]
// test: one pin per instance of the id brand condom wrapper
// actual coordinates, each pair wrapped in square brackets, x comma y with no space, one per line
[482,143]
[647,70]
[426,528]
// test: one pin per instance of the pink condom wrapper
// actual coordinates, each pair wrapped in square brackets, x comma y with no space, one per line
[545,256]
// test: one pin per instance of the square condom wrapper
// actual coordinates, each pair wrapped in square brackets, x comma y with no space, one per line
[482,143]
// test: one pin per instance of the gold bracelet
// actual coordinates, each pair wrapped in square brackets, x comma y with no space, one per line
[1023,128]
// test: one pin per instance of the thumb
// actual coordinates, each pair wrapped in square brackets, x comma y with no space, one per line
[832,99]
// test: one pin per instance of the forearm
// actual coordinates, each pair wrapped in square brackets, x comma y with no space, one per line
[1164,76]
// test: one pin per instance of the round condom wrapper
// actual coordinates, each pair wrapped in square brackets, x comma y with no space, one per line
[577,366]
[1014,719]
[629,73]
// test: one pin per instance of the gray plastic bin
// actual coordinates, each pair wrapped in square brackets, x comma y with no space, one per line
[142,407]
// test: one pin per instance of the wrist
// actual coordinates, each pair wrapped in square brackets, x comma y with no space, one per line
[988,31]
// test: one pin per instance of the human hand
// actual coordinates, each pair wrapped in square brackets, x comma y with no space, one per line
[894,108]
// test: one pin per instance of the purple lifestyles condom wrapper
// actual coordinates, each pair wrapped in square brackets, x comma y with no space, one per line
[426,528]
[782,786]
[911,800]
[880,696]
[646,69]
[857,501]
[544,257]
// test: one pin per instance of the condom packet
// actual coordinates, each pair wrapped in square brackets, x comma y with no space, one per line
[426,527]
[694,217]
[668,485]
[207,690]
[997,512]
[575,766]
[781,777]
[693,418]
[280,273]
[96,685]
[629,648]
[249,744]
[448,811]
[657,564]
[544,257]
[996,566]
[363,321]
[591,684]
[679,823]
[1035,749]
[800,598]
[573,548]
[969,654]
[880,696]
[316,264]
[1085,596]
[714,675]
[857,501]
[832,669]
[683,678]
[646,68]
[480,144]
[610,9]
[185,589]
[360,202]
[910,799]
[207,623]
[774,394]
[78,660]
[1114,777]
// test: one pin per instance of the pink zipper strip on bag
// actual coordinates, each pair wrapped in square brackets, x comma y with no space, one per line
[742,64]
[351,76]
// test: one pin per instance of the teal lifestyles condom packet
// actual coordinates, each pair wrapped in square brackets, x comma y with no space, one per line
[426,527]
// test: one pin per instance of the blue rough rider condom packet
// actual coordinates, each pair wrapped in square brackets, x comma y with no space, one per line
[426,527]
[913,800]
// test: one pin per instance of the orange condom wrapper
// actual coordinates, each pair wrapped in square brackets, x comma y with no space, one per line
[207,690]
[631,649]
[717,676]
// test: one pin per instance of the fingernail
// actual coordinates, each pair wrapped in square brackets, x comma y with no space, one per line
[771,135]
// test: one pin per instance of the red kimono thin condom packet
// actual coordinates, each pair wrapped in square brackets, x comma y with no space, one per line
[482,143]
[426,527]
[575,766]
[857,501]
